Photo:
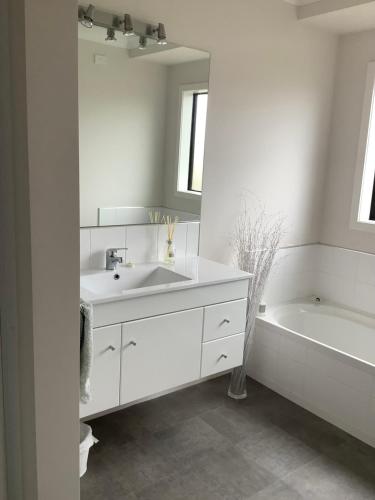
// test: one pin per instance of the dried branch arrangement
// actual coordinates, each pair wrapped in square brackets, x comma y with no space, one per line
[256,240]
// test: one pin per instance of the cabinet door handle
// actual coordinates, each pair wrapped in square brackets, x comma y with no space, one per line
[223,356]
[226,320]
[132,342]
[111,348]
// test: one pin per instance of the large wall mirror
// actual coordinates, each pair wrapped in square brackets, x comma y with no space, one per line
[142,123]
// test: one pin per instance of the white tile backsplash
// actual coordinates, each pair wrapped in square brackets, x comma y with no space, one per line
[146,243]
[103,238]
[142,243]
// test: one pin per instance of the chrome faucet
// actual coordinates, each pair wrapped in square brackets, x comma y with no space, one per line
[112,259]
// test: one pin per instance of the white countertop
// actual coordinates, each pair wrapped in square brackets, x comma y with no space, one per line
[198,271]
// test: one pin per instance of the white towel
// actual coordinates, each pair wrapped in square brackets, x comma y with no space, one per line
[87,351]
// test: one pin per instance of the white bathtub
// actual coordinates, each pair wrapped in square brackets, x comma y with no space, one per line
[321,357]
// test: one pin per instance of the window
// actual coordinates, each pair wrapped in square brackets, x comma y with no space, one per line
[192,139]
[197,138]
[363,206]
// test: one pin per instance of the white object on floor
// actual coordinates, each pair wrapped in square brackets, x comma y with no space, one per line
[86,441]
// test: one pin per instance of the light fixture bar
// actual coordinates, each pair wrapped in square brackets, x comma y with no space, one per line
[122,23]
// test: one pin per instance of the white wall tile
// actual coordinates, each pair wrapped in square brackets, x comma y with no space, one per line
[293,347]
[331,366]
[291,376]
[267,335]
[345,277]
[292,275]
[192,242]
[365,297]
[179,240]
[103,238]
[85,248]
[146,242]
[337,289]
[366,268]
[142,243]
[263,363]
[338,261]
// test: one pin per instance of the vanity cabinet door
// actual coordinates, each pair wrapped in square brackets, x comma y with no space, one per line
[160,353]
[105,376]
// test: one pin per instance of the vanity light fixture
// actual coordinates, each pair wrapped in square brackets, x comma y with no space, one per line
[142,43]
[91,16]
[87,19]
[111,37]
[128,25]
[161,34]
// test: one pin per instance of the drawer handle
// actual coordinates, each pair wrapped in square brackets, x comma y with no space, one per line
[132,343]
[226,320]
[111,348]
[223,356]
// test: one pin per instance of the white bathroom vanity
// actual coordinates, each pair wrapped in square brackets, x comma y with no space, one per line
[159,327]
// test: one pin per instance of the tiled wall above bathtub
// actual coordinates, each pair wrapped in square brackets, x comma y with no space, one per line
[145,243]
[292,275]
[339,275]
[346,277]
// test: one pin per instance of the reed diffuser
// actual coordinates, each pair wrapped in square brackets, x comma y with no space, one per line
[155,217]
[170,250]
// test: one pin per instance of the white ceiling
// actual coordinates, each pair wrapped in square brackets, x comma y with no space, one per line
[345,21]
[337,16]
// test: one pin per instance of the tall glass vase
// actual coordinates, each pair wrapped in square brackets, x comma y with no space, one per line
[256,241]
[237,388]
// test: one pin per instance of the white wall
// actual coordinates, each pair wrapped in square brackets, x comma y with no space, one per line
[355,51]
[268,129]
[178,75]
[121,116]
[269,108]
[39,258]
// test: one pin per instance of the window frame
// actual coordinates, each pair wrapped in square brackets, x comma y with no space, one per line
[179,191]
[192,141]
[363,201]
[372,206]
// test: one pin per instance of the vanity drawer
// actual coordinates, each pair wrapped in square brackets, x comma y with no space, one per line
[222,354]
[225,319]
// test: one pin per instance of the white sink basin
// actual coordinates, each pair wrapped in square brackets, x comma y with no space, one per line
[104,284]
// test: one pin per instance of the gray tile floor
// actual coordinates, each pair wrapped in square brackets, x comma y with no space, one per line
[197,444]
